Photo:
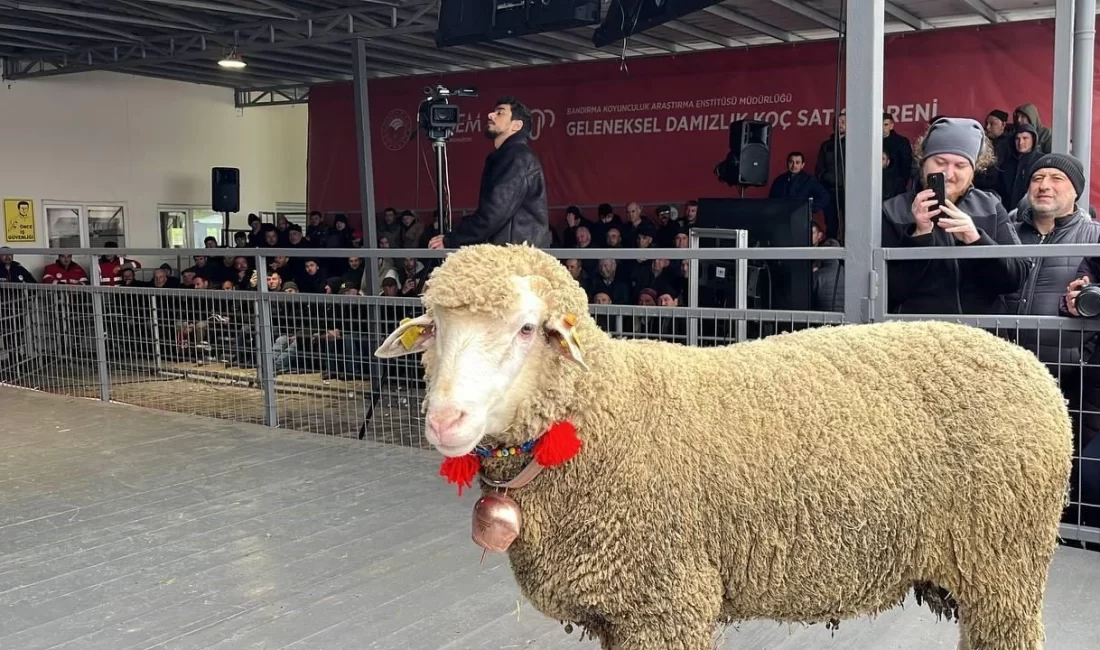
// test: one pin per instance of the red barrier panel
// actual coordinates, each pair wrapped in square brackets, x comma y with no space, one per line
[656,128]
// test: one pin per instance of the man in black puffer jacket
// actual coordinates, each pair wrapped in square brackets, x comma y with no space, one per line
[511,207]
[959,148]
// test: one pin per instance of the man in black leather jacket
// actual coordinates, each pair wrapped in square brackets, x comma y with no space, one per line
[511,207]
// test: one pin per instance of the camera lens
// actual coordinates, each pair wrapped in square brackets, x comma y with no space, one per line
[1088,301]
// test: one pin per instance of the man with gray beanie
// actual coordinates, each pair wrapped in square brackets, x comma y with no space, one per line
[958,148]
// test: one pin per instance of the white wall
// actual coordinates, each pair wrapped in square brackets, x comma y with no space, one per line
[110,137]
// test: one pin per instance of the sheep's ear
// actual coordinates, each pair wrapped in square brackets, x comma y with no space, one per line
[412,336]
[561,331]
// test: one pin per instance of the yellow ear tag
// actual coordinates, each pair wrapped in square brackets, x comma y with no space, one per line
[408,338]
[570,320]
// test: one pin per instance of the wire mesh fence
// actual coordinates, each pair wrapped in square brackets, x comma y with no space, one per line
[292,360]
[256,351]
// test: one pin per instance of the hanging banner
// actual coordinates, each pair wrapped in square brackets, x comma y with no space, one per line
[19,224]
[652,130]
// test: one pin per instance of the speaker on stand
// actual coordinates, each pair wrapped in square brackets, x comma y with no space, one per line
[225,187]
[749,158]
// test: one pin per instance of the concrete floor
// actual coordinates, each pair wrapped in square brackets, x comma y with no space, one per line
[128,528]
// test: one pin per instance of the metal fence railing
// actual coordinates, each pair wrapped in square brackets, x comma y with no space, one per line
[304,360]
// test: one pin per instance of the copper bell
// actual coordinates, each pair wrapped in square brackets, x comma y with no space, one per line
[497,520]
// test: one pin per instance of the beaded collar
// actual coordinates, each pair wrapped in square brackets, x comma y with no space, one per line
[501,452]
[553,448]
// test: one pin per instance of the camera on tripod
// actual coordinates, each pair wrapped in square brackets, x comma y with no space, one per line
[438,116]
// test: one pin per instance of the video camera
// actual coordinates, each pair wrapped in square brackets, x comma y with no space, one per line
[438,116]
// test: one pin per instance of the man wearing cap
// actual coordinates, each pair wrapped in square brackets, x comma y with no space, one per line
[959,149]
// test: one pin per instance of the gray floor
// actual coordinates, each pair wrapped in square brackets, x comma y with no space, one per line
[127,528]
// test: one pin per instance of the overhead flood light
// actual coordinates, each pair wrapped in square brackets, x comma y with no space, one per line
[232,60]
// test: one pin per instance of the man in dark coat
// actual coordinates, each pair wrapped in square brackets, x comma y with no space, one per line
[512,205]
[900,152]
[797,183]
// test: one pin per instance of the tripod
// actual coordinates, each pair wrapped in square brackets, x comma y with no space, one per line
[439,146]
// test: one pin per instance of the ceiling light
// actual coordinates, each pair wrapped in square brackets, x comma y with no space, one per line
[232,60]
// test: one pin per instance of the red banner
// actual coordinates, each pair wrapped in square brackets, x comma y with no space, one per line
[653,129]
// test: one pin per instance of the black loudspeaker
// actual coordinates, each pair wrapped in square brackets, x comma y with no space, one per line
[750,146]
[225,185]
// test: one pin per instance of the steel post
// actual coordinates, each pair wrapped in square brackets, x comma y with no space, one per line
[863,155]
[1084,53]
[265,338]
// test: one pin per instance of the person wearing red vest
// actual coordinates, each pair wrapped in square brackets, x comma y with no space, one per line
[64,271]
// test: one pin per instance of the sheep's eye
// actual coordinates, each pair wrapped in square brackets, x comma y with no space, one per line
[527,330]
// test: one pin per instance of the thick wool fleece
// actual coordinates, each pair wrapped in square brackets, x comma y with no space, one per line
[807,477]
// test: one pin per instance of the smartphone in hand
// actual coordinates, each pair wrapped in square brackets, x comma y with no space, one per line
[938,184]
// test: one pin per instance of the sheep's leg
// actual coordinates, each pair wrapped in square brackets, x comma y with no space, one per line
[1001,624]
[666,635]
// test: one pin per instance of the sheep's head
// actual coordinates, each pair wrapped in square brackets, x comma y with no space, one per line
[500,337]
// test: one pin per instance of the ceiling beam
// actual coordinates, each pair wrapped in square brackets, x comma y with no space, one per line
[752,23]
[35,29]
[807,11]
[544,50]
[220,7]
[184,77]
[269,74]
[57,10]
[6,41]
[153,10]
[278,96]
[904,16]
[985,11]
[99,26]
[38,42]
[385,53]
[701,34]
[325,27]
[279,6]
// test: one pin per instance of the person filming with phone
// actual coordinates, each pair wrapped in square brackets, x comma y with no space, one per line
[945,209]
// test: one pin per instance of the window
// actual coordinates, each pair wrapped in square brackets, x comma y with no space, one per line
[85,225]
[187,226]
[294,213]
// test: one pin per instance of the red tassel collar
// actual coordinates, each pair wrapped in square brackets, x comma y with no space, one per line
[555,447]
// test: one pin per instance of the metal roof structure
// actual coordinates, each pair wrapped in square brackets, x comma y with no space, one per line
[290,45]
